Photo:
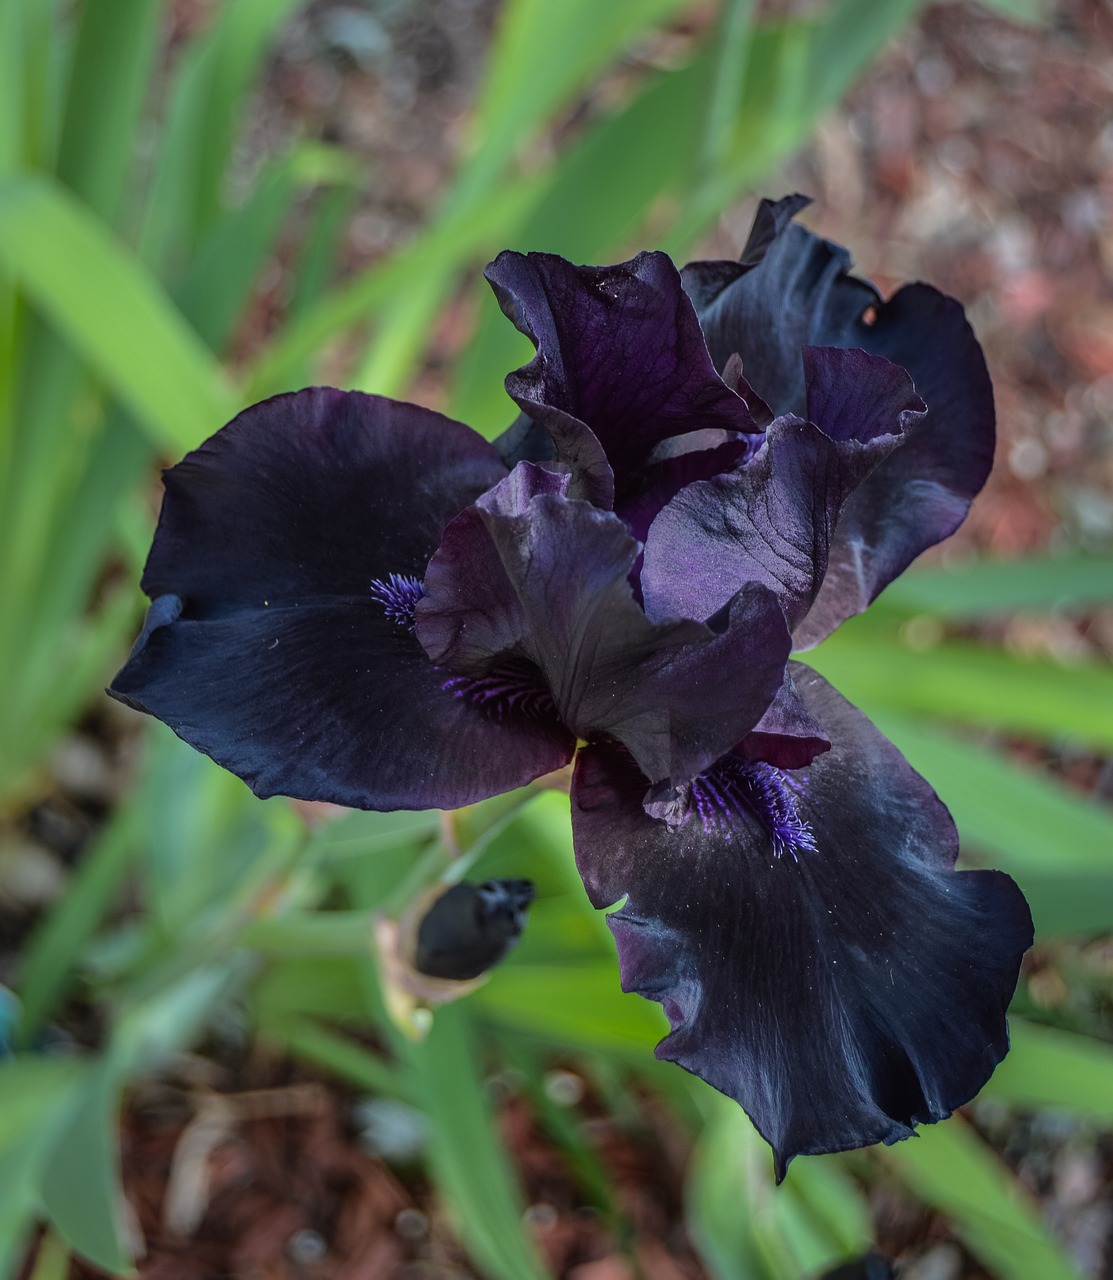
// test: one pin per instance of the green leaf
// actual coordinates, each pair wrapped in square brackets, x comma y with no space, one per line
[97,294]
[52,1259]
[985,588]
[725,86]
[730,1200]
[81,1188]
[1031,12]
[469,1163]
[1056,1070]
[51,956]
[539,60]
[948,1166]
[974,683]
[209,843]
[112,59]
[241,35]
[332,1051]
[581,1004]
[1058,846]
[325,986]
[31,1087]
[36,1100]
[314,933]
[12,87]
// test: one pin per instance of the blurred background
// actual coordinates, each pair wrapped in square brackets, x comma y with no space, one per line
[202,203]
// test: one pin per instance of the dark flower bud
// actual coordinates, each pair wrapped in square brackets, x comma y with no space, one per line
[471,927]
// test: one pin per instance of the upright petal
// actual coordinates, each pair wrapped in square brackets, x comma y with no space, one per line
[921,493]
[619,352]
[285,567]
[817,956]
[773,521]
[545,579]
[793,289]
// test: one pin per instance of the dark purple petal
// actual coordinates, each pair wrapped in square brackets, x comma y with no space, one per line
[287,563]
[313,494]
[921,493]
[619,353]
[471,615]
[330,701]
[773,520]
[545,580]
[799,291]
[843,991]
[787,735]
[662,480]
[704,281]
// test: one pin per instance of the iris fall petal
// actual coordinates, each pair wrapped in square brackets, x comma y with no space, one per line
[266,646]
[843,991]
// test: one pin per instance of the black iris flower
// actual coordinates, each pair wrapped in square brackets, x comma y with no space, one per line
[362,601]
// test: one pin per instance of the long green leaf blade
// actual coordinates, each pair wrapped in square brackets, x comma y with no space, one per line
[948,1166]
[471,1166]
[97,294]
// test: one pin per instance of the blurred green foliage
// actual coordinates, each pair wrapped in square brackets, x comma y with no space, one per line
[124,271]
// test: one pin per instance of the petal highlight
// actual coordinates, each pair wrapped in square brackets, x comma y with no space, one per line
[773,520]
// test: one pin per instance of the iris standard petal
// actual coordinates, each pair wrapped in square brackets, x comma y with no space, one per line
[527,575]
[817,956]
[619,351]
[794,289]
[921,493]
[286,563]
[330,701]
[773,520]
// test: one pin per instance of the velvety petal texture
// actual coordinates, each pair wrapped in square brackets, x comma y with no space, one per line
[620,356]
[774,519]
[793,289]
[530,575]
[278,640]
[817,956]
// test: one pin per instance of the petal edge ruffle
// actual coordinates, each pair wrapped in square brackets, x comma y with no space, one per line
[843,992]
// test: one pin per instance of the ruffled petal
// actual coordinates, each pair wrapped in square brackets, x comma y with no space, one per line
[330,701]
[817,956]
[773,520]
[793,289]
[620,354]
[921,493]
[311,495]
[528,575]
